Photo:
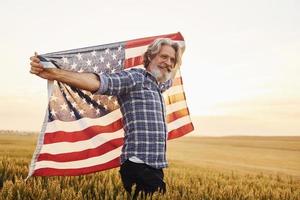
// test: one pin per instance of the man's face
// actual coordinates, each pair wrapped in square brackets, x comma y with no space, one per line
[163,64]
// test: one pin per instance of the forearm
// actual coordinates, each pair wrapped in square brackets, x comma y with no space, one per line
[85,81]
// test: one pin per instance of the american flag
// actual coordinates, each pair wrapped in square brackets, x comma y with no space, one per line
[83,133]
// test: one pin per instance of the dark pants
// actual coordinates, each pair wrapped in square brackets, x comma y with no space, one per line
[147,179]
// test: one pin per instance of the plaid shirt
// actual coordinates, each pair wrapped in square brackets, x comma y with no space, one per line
[142,105]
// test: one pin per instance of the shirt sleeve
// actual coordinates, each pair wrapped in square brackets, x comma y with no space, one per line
[166,85]
[119,83]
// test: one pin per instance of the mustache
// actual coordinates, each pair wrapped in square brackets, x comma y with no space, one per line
[169,69]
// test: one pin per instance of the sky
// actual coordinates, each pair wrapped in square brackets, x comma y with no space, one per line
[240,68]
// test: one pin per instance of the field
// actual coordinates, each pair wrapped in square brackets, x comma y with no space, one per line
[199,168]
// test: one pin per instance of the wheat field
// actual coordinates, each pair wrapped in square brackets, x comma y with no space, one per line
[199,168]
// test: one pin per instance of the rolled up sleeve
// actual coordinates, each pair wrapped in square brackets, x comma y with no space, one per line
[103,83]
[118,83]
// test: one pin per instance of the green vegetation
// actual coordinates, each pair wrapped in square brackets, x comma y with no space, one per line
[200,168]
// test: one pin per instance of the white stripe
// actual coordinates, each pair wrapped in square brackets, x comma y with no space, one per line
[178,74]
[80,163]
[83,123]
[175,106]
[67,147]
[138,51]
[173,90]
[179,123]
[47,64]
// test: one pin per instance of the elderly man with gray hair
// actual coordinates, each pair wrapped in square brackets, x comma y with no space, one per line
[139,93]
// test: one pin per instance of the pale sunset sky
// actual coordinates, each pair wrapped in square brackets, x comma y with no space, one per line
[240,70]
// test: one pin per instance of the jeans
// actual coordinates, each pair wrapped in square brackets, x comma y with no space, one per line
[147,179]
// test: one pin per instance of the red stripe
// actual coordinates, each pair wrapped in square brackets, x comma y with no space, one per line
[177,114]
[177,81]
[80,171]
[183,130]
[132,62]
[149,40]
[85,154]
[111,164]
[75,136]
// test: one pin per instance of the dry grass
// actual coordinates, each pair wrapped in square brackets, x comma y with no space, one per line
[200,168]
[270,155]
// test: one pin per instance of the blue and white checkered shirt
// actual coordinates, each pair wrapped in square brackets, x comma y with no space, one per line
[143,109]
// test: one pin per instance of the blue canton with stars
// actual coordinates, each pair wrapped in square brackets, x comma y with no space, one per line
[69,103]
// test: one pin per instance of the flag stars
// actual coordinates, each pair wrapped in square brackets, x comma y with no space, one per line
[64,107]
[73,66]
[95,68]
[72,114]
[107,51]
[101,59]
[79,56]
[80,70]
[93,53]
[119,62]
[114,56]
[119,48]
[53,98]
[53,112]
[97,111]
[81,111]
[91,106]
[89,62]
[74,104]
[68,96]
[108,65]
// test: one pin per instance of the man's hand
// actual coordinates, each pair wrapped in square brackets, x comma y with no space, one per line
[85,81]
[38,69]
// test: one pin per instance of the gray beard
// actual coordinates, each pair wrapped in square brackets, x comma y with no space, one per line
[160,77]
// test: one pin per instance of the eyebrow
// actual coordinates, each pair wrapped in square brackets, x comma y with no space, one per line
[168,56]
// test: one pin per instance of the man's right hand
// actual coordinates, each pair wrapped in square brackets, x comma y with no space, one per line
[38,69]
[85,81]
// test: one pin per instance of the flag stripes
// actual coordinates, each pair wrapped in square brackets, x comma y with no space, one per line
[93,144]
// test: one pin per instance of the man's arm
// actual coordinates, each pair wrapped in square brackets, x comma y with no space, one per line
[85,81]
[120,83]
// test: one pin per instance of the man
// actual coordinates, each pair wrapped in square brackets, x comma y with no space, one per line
[139,94]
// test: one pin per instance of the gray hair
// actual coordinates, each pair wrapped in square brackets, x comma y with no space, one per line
[155,47]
